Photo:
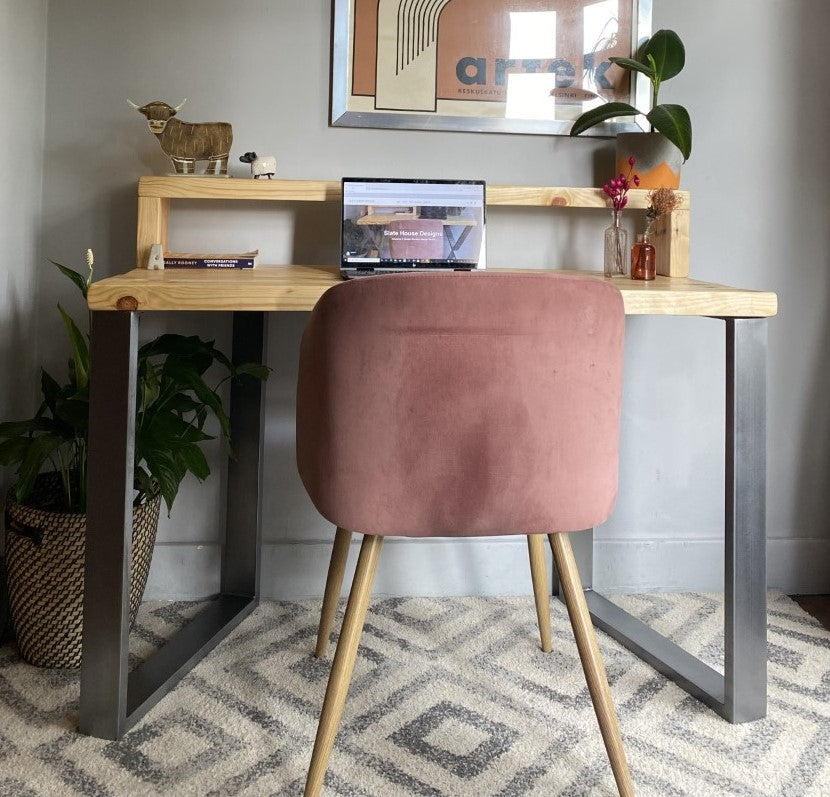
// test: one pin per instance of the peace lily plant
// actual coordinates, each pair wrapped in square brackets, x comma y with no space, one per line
[659,58]
[173,402]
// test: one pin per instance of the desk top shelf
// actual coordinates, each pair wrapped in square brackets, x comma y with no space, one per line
[287,288]
[235,188]
[670,234]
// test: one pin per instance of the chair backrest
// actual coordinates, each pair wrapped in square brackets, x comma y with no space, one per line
[462,404]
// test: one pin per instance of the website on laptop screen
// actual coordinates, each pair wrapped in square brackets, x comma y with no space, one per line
[401,224]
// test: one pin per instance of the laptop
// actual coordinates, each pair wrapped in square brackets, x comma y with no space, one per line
[394,225]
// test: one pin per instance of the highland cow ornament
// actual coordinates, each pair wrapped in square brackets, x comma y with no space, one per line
[187,142]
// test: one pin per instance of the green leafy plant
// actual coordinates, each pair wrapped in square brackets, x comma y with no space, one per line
[173,403]
[659,58]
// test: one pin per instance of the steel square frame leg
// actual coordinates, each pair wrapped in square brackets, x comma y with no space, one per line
[243,536]
[103,707]
[740,695]
[113,700]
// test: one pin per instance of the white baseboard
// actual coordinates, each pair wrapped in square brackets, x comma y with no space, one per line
[799,566]
[183,572]
[795,565]
[489,567]
[408,567]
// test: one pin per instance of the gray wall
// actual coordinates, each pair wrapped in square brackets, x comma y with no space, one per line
[22,97]
[757,177]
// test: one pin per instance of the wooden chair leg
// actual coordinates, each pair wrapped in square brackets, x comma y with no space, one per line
[334,583]
[586,642]
[541,589]
[343,666]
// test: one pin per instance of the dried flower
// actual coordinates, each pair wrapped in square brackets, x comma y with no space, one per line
[616,189]
[660,201]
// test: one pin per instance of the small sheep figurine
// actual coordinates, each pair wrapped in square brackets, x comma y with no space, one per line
[262,164]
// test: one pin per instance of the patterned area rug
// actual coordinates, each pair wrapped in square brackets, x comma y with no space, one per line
[450,697]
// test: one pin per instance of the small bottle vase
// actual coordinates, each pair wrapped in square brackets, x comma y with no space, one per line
[643,259]
[616,247]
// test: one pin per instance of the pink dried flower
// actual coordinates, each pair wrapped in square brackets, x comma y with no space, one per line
[617,187]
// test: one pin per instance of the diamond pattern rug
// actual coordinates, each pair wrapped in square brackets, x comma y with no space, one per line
[450,696]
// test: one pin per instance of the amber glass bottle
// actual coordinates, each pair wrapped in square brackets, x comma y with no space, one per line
[643,260]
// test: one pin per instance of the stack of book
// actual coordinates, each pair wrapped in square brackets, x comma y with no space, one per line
[210,260]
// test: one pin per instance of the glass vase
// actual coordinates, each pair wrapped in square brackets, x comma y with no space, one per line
[643,261]
[616,247]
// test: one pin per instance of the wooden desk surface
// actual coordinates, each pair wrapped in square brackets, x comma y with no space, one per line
[287,288]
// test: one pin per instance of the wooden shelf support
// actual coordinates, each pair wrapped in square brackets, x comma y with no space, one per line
[153,223]
[670,236]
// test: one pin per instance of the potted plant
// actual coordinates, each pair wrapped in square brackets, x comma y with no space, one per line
[660,153]
[45,511]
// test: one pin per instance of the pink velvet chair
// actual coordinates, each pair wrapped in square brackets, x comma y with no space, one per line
[461,405]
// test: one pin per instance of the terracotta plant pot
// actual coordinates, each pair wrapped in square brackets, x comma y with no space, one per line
[45,571]
[658,160]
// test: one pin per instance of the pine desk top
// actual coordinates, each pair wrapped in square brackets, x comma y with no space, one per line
[288,288]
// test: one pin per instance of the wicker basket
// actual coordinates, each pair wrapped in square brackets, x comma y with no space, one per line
[45,570]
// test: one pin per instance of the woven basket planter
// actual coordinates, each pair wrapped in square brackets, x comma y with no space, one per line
[45,571]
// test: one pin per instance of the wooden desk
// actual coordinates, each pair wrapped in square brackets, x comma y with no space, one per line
[289,288]
[113,700]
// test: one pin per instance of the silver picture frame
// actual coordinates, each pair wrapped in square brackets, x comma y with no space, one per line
[413,28]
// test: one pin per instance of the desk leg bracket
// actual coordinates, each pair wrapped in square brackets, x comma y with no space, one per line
[113,699]
[740,694]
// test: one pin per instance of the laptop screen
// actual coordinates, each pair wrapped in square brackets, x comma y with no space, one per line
[396,225]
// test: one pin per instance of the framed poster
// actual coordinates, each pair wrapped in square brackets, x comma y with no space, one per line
[512,66]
